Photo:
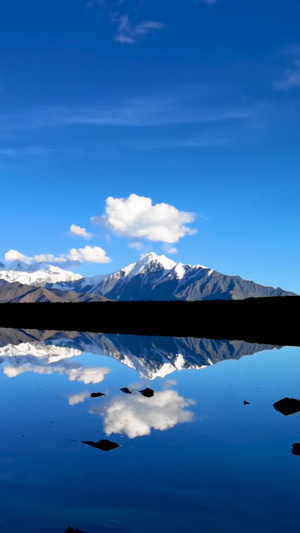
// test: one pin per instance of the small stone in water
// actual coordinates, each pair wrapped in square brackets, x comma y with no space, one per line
[147,392]
[71,530]
[105,445]
[296,448]
[126,390]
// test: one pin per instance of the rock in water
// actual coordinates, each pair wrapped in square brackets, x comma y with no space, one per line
[105,445]
[287,406]
[296,448]
[147,392]
[71,530]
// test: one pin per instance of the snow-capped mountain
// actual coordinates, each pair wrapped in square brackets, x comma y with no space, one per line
[37,274]
[156,277]
[153,277]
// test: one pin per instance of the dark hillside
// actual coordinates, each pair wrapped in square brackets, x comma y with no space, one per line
[263,320]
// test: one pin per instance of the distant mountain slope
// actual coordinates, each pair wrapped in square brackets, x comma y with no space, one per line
[19,293]
[159,278]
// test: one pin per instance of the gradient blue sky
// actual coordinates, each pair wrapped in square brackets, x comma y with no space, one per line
[191,103]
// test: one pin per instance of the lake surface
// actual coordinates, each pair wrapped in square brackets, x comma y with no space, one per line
[193,457]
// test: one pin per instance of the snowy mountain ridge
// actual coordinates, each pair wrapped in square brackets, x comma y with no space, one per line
[152,277]
[37,274]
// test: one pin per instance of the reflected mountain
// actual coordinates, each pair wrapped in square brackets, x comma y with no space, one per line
[152,357]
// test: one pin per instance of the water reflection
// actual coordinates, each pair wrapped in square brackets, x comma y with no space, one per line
[135,415]
[152,357]
[207,448]
[132,412]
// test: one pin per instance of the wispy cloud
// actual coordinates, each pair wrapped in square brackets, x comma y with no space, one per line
[144,111]
[35,151]
[119,14]
[169,249]
[209,2]
[169,143]
[128,32]
[290,78]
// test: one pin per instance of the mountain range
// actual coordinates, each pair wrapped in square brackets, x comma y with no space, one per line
[153,277]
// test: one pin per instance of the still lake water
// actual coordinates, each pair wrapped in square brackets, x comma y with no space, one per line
[192,458]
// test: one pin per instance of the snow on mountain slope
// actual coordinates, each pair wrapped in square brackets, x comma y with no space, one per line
[146,263]
[50,352]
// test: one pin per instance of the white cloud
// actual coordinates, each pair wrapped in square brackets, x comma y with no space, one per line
[135,415]
[75,256]
[14,255]
[290,79]
[87,375]
[89,254]
[78,231]
[137,218]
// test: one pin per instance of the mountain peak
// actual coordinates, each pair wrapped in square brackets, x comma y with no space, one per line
[162,260]
[146,263]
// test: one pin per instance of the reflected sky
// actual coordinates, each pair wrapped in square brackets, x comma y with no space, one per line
[192,456]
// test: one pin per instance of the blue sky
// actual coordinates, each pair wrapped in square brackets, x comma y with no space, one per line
[191,104]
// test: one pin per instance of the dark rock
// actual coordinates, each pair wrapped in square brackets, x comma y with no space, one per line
[246,403]
[296,448]
[71,530]
[287,406]
[97,394]
[147,392]
[105,445]
[126,390]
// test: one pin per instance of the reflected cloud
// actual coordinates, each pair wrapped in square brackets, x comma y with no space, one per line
[86,375]
[74,399]
[136,415]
